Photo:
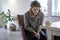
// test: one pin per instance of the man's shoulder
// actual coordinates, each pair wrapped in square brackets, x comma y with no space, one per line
[42,14]
[27,13]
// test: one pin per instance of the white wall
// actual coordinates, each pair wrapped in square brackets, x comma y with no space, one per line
[16,6]
[0,5]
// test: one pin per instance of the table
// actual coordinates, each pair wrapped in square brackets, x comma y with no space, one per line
[53,30]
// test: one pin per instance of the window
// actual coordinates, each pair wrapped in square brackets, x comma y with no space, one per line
[44,6]
[55,7]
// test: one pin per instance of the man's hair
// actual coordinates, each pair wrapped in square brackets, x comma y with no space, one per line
[35,3]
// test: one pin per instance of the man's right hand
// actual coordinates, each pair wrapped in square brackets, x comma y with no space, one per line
[37,35]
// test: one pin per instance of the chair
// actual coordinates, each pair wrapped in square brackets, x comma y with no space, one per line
[21,25]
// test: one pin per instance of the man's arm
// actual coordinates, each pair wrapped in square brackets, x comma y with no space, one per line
[40,22]
[27,27]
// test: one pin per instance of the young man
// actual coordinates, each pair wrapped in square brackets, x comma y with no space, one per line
[33,19]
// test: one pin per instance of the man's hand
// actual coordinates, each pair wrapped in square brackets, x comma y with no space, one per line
[37,35]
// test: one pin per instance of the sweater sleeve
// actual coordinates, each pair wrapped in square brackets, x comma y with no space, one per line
[27,25]
[40,22]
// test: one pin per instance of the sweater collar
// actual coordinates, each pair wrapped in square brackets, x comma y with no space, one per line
[32,15]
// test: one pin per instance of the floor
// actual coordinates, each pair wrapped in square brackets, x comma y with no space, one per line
[6,34]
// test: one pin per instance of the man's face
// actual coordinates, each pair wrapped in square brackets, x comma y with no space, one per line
[35,10]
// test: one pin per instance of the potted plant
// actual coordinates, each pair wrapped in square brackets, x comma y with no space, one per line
[6,17]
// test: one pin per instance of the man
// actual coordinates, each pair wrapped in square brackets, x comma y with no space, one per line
[33,20]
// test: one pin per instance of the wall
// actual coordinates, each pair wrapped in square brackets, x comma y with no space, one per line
[16,6]
[0,5]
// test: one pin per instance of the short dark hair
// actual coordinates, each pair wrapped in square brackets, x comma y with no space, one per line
[35,3]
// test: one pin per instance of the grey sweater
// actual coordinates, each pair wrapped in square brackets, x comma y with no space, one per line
[32,23]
